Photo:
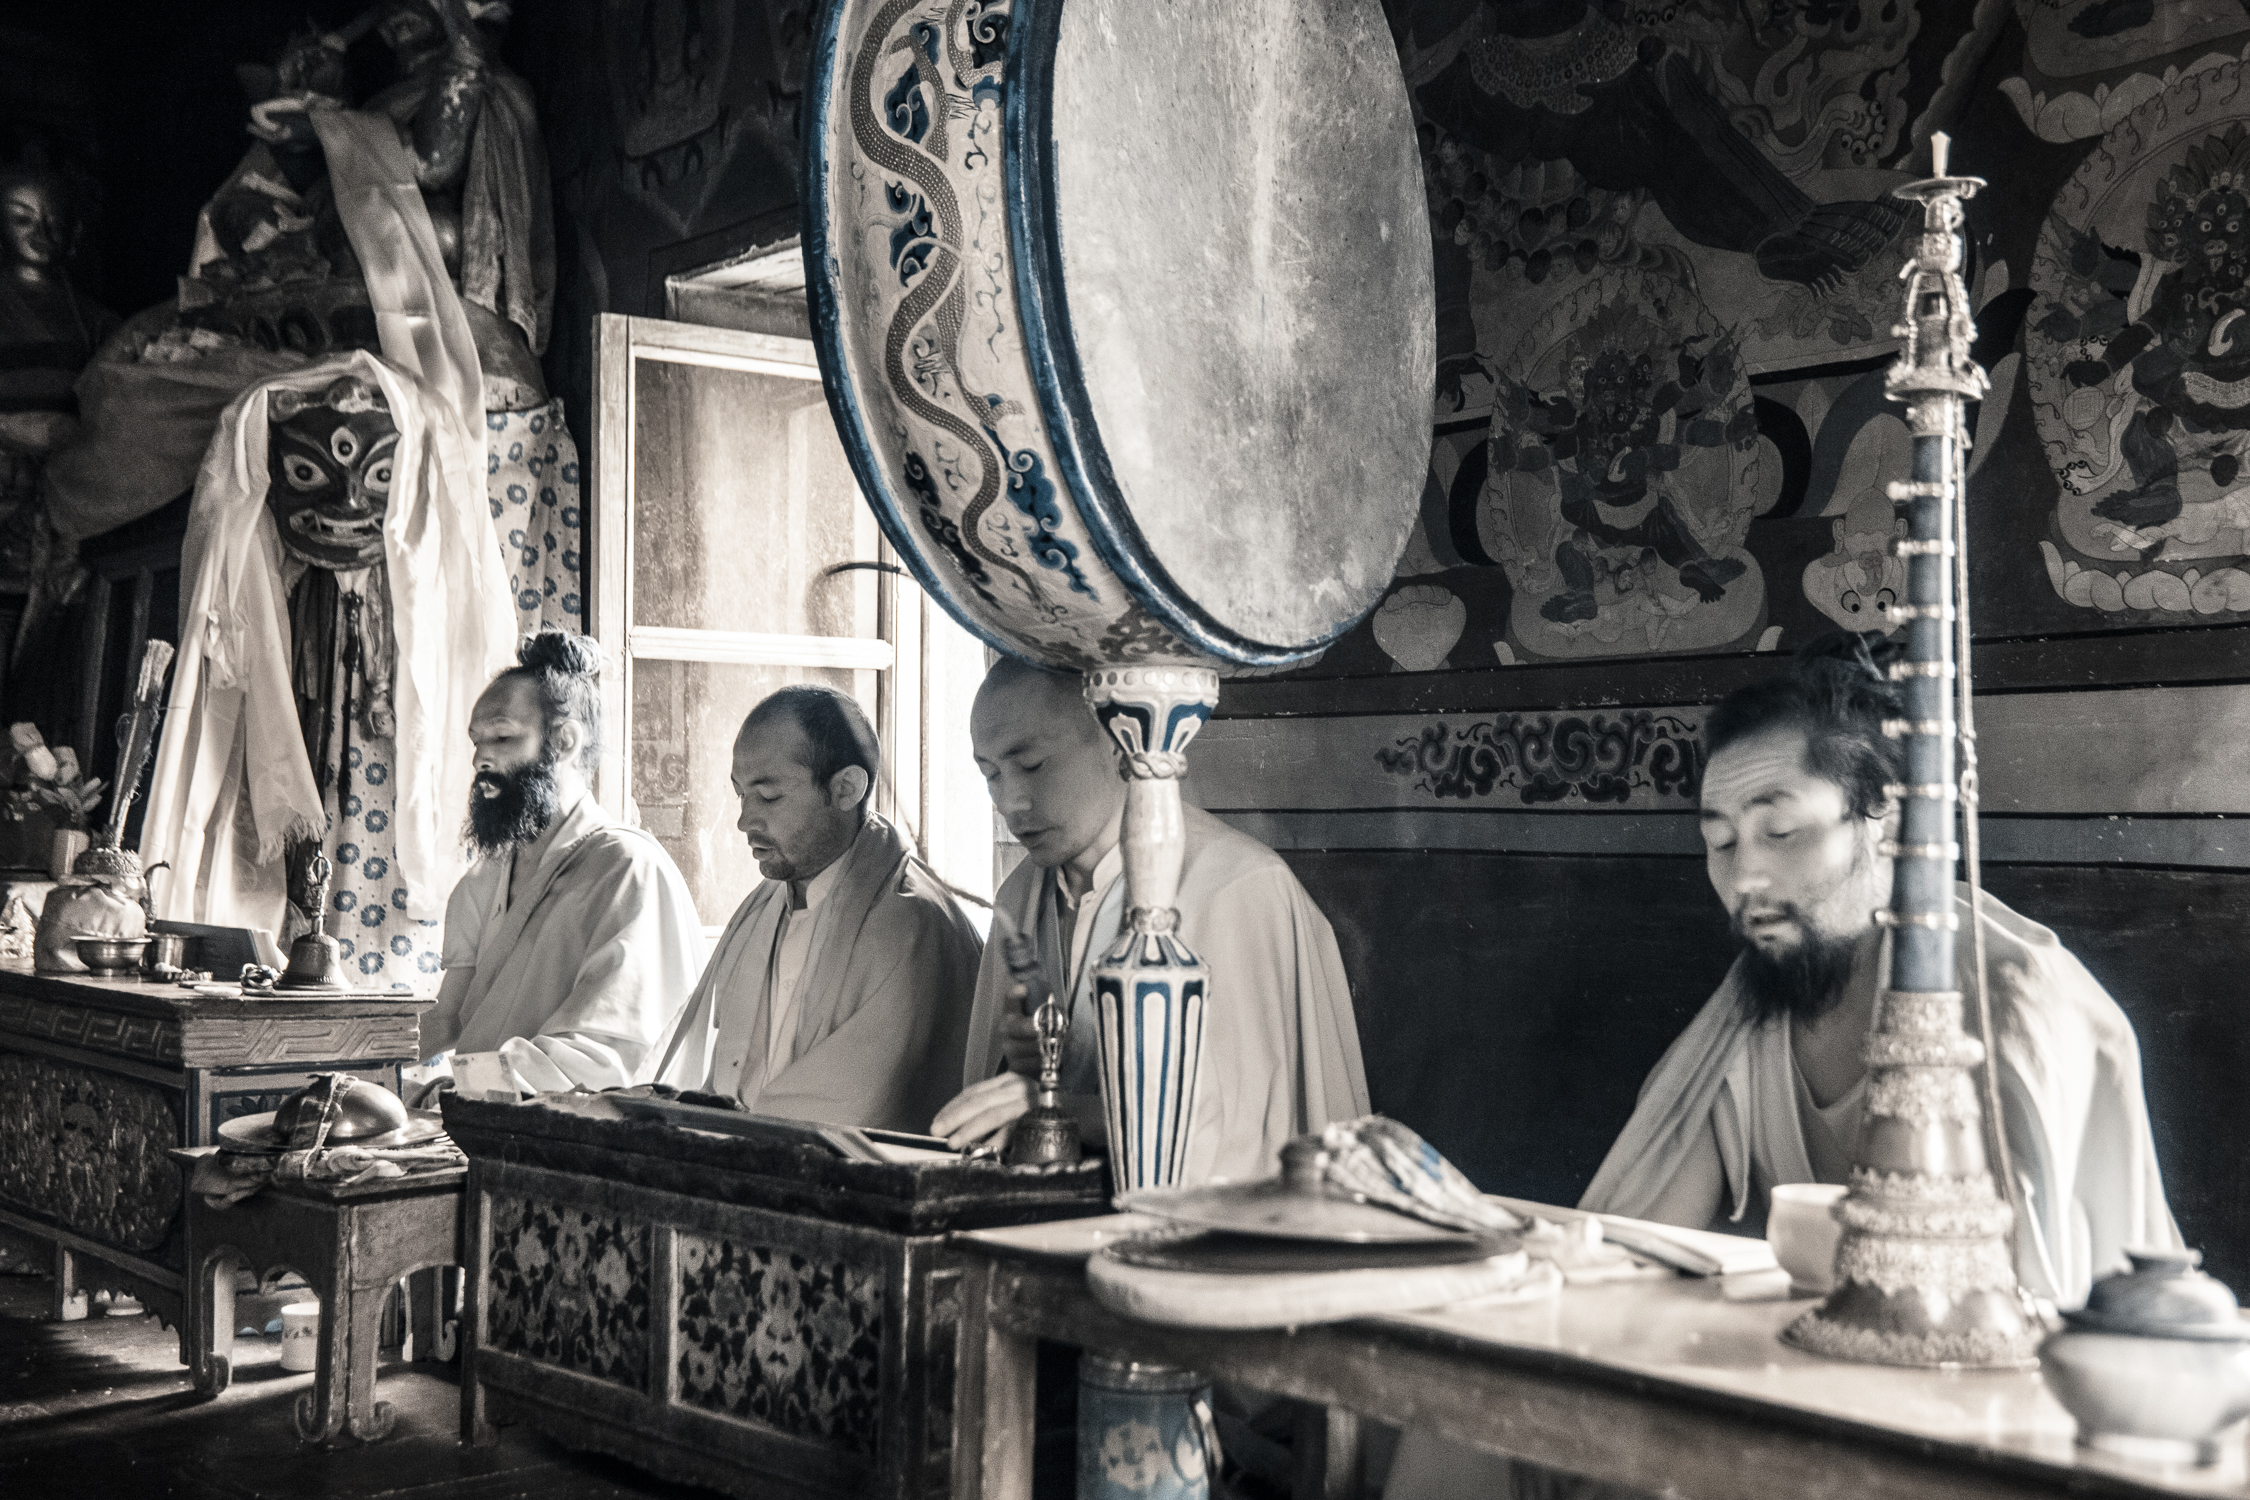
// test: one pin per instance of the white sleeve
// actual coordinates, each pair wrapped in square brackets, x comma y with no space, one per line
[464,920]
[558,1061]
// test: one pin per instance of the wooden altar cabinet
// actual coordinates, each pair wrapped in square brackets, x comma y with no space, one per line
[101,1077]
[1662,1386]
[762,1318]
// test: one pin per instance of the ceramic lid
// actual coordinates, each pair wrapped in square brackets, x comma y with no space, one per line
[2163,1296]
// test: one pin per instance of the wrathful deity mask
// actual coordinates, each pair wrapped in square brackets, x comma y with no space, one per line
[329,462]
[35,228]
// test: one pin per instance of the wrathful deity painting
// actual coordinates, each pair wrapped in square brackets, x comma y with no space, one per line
[2139,359]
[1668,241]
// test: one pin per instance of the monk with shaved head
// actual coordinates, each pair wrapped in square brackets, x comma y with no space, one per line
[1281,1049]
[840,991]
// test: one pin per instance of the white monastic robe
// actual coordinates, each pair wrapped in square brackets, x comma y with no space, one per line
[2070,1101]
[575,981]
[1281,1046]
[867,1026]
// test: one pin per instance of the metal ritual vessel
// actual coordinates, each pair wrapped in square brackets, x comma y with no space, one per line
[1094,452]
[1925,1268]
[108,876]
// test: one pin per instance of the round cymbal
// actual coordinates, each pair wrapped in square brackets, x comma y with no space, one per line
[257,1133]
[1222,1254]
[1273,1209]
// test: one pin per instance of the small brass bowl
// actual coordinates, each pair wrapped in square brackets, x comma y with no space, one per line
[111,958]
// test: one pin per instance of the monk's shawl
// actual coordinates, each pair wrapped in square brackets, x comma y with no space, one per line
[882,1004]
[2070,1096]
[1281,1046]
[2070,1099]
[232,785]
[604,944]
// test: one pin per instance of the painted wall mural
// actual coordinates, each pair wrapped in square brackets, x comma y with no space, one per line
[2138,360]
[1622,473]
[1668,247]
[693,159]
[1597,759]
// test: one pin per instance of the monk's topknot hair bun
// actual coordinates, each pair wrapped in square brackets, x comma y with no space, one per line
[561,652]
[562,668]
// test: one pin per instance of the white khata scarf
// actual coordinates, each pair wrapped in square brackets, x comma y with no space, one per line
[232,786]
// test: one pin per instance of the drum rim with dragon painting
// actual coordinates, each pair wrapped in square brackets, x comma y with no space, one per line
[1171,625]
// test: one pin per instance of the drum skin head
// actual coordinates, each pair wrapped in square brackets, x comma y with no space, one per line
[1239,294]
[1126,313]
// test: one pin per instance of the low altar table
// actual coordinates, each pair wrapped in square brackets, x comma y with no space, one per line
[352,1243]
[1661,1385]
[103,1077]
[761,1317]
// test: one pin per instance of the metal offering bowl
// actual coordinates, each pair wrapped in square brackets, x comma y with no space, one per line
[111,957]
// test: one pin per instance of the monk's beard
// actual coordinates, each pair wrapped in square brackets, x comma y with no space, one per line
[521,805]
[1803,981]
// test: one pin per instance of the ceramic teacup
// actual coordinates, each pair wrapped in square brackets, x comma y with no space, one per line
[300,1336]
[1801,1226]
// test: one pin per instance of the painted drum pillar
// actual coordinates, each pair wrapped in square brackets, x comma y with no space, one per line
[1150,989]
[1144,1432]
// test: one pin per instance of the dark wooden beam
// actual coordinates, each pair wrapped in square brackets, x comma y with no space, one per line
[2146,658]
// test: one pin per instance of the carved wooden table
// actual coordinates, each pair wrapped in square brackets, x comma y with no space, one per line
[761,1318]
[352,1245]
[99,1078]
[1659,1385]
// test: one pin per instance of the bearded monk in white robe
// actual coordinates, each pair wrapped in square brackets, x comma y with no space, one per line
[572,942]
[1281,1049]
[1765,1086]
[840,991]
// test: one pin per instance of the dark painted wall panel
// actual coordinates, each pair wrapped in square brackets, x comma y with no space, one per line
[2168,945]
[1509,1007]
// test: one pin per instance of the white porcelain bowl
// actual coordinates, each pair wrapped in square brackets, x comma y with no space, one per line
[1801,1226]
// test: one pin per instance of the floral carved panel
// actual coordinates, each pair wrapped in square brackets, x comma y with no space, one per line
[569,1288]
[793,1342]
[86,1149]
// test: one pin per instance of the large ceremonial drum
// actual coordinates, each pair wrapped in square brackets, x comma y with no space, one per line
[1126,313]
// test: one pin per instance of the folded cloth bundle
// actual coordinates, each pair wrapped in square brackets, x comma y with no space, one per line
[227,1177]
[334,1104]
[1379,1160]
